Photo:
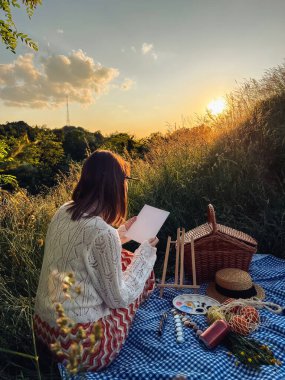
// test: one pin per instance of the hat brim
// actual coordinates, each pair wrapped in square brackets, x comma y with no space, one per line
[212,292]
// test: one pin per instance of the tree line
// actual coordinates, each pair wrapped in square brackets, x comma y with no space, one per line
[31,157]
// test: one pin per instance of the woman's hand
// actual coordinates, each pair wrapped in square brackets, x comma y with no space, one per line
[124,228]
[153,241]
[129,222]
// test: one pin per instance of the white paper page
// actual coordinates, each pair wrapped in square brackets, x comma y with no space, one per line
[148,223]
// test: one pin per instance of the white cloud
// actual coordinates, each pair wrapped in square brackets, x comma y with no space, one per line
[127,84]
[23,84]
[146,48]
[133,49]
[59,31]
[149,49]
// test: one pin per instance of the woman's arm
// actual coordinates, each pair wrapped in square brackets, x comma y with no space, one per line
[103,263]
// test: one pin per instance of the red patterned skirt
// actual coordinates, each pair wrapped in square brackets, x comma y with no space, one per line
[115,329]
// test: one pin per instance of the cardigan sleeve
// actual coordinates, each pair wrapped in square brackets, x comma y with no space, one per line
[103,264]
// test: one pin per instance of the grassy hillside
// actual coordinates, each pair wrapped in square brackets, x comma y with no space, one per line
[240,170]
[235,161]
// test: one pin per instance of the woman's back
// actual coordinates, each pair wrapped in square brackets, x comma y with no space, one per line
[67,243]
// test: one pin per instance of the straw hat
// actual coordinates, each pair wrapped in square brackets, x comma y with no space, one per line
[233,283]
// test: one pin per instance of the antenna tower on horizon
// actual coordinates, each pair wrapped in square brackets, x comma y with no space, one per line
[67,112]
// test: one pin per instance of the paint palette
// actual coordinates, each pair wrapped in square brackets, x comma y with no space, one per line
[194,303]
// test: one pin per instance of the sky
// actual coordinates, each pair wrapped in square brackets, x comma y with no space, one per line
[136,66]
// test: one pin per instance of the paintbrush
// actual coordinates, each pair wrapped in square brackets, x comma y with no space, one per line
[162,323]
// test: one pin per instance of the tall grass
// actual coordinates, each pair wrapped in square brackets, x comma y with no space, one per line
[235,161]
[24,222]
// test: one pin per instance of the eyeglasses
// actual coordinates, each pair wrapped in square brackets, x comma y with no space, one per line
[132,178]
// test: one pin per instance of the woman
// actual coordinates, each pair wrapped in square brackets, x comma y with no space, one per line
[81,240]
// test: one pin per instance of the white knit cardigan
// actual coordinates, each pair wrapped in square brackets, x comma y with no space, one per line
[91,250]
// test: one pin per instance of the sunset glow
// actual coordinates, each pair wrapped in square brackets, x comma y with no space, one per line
[140,78]
[217,106]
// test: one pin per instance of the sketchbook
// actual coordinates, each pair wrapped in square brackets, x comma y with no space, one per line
[149,222]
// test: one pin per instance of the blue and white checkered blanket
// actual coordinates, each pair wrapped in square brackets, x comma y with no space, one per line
[146,356]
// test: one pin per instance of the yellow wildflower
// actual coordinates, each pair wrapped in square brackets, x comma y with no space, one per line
[73,371]
[65,330]
[71,278]
[40,242]
[98,332]
[74,348]
[92,339]
[55,346]
[59,307]
[66,280]
[81,334]
[62,321]
[65,287]
[60,353]
[77,290]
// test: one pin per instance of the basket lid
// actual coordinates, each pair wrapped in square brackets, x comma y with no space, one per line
[236,234]
[211,227]
[198,232]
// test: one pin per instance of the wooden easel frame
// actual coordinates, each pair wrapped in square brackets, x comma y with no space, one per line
[179,264]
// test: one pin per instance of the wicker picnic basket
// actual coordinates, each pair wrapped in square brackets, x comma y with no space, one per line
[216,247]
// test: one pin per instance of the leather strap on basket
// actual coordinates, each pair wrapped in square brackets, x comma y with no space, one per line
[212,217]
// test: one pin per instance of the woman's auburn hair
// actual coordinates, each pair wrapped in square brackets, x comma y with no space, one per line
[101,190]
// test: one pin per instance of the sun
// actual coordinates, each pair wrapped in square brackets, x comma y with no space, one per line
[217,106]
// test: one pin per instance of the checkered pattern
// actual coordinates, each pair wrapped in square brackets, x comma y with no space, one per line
[145,356]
